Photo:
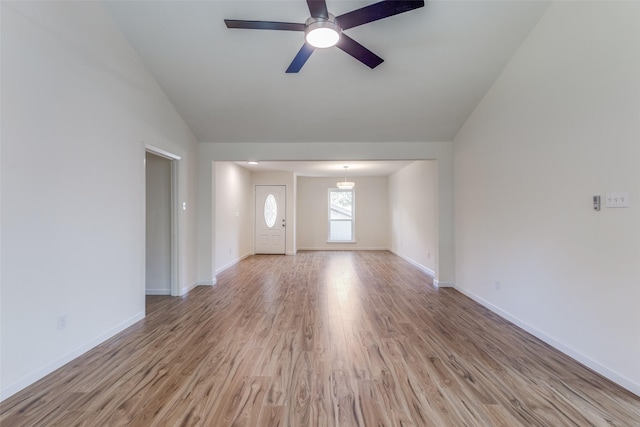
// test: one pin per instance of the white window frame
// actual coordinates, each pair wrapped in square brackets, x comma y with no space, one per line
[353,215]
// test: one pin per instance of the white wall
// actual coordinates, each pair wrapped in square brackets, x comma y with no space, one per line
[441,151]
[158,225]
[560,125]
[280,178]
[77,106]
[413,214]
[233,214]
[206,220]
[371,213]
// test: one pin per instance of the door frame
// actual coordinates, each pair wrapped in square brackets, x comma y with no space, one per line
[175,224]
[255,218]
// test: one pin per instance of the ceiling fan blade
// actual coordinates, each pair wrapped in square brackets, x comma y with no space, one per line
[376,11]
[358,51]
[300,59]
[318,8]
[264,25]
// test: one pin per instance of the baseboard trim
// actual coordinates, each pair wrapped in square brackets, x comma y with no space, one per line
[212,282]
[444,284]
[232,263]
[339,247]
[416,264]
[610,374]
[157,292]
[185,290]
[38,374]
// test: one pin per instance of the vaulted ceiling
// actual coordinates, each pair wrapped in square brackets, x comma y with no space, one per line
[230,85]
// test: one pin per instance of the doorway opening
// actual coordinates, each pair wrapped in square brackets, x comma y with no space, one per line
[161,222]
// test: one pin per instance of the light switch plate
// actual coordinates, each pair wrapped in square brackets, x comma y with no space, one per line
[618,200]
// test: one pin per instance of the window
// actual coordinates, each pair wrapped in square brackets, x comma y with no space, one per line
[341,215]
[270,210]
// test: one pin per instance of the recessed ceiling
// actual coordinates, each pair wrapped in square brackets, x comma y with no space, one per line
[231,86]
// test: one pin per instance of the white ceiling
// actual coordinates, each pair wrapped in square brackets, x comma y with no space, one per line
[330,168]
[230,85]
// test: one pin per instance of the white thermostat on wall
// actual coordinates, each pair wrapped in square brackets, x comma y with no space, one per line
[596,203]
[618,200]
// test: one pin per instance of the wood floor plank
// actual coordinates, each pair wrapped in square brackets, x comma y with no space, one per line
[372,411]
[322,339]
[321,404]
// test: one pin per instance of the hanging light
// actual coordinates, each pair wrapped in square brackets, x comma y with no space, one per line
[346,185]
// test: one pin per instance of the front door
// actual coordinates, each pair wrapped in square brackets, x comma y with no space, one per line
[270,217]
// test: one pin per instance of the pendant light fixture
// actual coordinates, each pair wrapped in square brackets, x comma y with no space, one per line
[346,185]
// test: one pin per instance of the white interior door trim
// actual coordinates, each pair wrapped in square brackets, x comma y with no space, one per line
[175,224]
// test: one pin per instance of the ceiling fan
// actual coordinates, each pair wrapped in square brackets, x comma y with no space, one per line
[324,30]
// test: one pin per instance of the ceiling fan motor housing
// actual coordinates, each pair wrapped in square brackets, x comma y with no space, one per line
[322,32]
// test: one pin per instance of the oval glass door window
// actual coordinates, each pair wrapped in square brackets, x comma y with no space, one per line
[270,210]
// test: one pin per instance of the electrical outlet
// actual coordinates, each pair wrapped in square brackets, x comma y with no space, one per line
[498,285]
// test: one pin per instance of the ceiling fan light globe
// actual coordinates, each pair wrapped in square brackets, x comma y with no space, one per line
[323,37]
[322,32]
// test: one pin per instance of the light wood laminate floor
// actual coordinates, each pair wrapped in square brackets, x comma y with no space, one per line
[322,339]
